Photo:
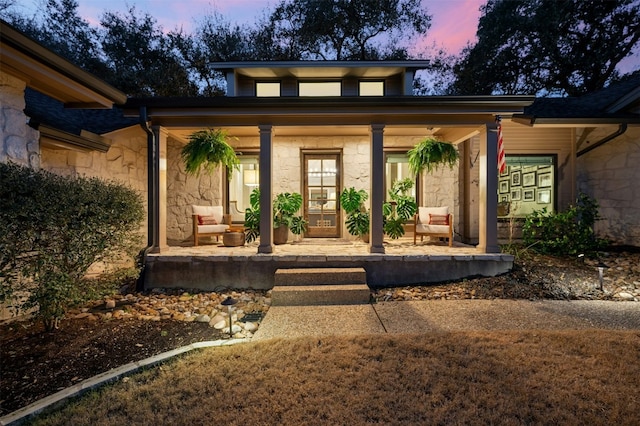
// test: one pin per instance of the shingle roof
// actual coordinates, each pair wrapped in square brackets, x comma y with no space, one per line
[593,105]
[45,110]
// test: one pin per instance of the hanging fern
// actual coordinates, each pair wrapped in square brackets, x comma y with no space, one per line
[208,149]
[430,153]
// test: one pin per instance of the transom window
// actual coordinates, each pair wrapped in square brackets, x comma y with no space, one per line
[319,88]
[528,184]
[371,88]
[266,89]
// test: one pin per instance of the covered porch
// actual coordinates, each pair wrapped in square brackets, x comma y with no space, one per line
[214,266]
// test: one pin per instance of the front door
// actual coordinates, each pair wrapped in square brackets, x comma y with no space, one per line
[322,190]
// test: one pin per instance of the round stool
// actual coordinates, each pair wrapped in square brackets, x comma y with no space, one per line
[233,238]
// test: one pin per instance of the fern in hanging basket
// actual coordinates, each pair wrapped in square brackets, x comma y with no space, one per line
[430,153]
[207,149]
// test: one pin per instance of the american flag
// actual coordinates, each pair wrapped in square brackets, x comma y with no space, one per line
[502,163]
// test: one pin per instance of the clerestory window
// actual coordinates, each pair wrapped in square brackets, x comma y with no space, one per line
[319,88]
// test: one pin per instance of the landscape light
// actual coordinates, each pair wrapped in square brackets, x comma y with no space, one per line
[601,267]
[229,302]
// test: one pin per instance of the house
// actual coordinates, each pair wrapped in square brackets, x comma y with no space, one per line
[317,128]
[605,138]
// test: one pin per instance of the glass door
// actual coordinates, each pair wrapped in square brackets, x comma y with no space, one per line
[322,189]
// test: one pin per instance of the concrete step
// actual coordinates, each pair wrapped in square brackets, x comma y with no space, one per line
[327,294]
[320,276]
[320,286]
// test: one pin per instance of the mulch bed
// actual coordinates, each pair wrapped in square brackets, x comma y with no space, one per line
[36,363]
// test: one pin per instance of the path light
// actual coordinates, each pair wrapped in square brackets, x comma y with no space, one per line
[601,267]
[229,302]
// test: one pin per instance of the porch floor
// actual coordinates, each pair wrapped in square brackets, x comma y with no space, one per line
[213,266]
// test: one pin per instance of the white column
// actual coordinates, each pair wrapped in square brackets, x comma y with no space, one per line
[266,189]
[160,202]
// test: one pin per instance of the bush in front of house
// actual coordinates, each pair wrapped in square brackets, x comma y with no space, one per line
[570,232]
[53,229]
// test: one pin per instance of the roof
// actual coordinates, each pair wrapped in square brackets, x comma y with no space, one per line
[79,127]
[617,103]
[51,74]
[247,111]
[320,69]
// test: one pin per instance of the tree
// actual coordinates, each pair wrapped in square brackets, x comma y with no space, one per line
[141,58]
[214,40]
[343,29]
[58,27]
[548,47]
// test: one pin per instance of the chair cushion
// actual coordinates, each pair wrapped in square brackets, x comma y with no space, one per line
[212,229]
[215,211]
[432,229]
[424,212]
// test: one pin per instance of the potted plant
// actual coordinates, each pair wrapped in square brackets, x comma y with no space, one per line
[352,202]
[285,207]
[400,209]
[430,153]
[208,149]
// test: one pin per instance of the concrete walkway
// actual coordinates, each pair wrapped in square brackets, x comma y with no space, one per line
[450,315]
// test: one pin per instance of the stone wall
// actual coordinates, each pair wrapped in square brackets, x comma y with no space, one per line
[125,162]
[184,190]
[18,142]
[610,174]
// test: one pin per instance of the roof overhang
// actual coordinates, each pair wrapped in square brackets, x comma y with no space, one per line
[534,121]
[51,74]
[320,69]
[87,141]
[288,111]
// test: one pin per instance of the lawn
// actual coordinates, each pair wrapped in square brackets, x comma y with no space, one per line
[532,377]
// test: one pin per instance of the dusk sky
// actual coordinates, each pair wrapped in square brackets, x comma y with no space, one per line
[454,21]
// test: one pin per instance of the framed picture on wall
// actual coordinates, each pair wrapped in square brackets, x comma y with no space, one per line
[504,198]
[544,196]
[504,186]
[529,194]
[516,194]
[529,179]
[506,171]
[544,180]
[516,178]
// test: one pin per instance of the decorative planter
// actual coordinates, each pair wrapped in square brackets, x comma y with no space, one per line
[233,239]
[280,234]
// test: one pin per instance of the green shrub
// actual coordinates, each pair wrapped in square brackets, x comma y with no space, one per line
[564,233]
[54,228]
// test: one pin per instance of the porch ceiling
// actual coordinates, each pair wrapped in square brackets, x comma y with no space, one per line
[450,134]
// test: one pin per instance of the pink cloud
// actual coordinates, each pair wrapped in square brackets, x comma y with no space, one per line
[453,24]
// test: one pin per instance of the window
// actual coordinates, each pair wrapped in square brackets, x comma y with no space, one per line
[319,88]
[242,183]
[371,88]
[396,168]
[268,89]
[528,184]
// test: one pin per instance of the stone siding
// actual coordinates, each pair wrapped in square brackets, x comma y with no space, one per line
[125,162]
[184,190]
[19,143]
[610,174]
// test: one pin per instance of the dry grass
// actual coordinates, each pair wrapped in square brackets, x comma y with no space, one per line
[506,378]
